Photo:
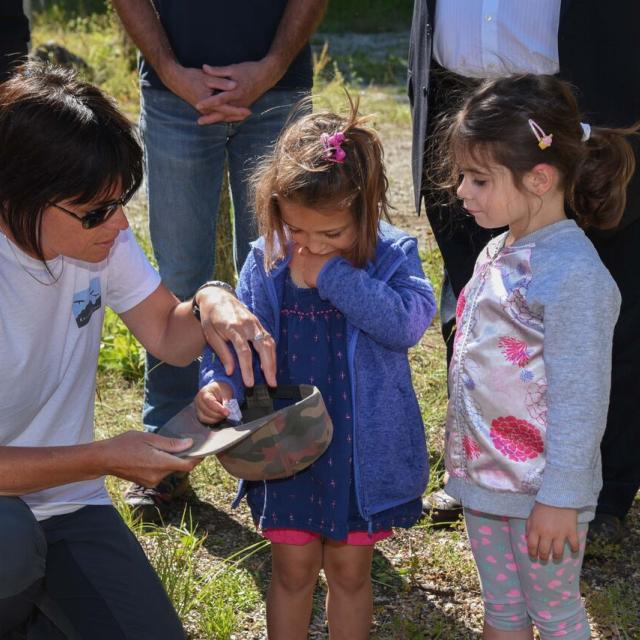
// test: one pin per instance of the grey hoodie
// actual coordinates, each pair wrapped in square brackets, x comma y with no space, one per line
[530,375]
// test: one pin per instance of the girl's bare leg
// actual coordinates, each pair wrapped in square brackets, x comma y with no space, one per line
[349,598]
[295,571]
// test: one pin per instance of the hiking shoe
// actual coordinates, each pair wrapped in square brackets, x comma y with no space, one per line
[152,502]
[606,532]
[441,508]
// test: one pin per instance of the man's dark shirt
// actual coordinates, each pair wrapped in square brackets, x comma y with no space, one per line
[223,32]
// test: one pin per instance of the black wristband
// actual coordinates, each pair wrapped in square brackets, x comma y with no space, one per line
[195,309]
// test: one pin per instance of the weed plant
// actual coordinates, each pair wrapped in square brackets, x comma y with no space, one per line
[100,41]
[120,352]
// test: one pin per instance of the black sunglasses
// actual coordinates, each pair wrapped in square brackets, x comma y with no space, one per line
[98,215]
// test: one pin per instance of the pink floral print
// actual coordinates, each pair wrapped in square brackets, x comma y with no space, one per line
[471,447]
[514,350]
[460,305]
[516,439]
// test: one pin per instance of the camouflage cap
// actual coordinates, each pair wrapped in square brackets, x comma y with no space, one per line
[269,444]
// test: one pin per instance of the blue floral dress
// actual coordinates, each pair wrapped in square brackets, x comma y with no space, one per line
[312,349]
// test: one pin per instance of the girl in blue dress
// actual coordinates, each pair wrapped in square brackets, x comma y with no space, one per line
[344,296]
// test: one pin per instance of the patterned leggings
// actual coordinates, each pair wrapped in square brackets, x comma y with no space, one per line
[518,590]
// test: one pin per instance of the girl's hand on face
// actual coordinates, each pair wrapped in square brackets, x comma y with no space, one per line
[311,264]
[548,528]
[208,402]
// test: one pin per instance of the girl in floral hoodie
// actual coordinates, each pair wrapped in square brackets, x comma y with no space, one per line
[530,375]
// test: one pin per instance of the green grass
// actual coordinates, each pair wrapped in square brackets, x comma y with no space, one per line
[98,39]
[68,9]
[120,352]
[230,593]
[368,16]
[174,555]
[614,608]
[214,598]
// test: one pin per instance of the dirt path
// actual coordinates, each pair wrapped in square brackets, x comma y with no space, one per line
[397,146]
[374,58]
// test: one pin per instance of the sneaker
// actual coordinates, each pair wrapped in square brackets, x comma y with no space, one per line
[441,508]
[605,532]
[151,502]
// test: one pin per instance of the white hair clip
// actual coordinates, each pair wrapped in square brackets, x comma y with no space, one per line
[544,140]
[586,131]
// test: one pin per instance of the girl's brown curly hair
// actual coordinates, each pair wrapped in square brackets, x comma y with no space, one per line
[297,170]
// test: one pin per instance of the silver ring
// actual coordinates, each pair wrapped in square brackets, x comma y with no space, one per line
[261,335]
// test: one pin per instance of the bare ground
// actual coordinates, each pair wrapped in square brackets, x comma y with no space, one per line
[397,144]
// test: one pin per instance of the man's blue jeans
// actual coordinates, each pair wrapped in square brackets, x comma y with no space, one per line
[184,164]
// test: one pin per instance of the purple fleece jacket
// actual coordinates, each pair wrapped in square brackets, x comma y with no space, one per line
[388,305]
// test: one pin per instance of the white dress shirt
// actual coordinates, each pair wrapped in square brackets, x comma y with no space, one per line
[491,38]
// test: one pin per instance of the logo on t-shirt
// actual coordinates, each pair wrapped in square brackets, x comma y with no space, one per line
[86,302]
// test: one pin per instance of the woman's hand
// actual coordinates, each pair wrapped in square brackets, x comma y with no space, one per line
[208,402]
[144,458]
[548,528]
[225,319]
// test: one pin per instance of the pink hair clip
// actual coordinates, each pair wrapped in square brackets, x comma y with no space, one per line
[544,139]
[332,144]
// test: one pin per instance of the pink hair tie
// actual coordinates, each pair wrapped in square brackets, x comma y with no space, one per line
[544,140]
[332,144]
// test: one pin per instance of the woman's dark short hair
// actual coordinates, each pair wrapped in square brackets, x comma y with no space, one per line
[60,139]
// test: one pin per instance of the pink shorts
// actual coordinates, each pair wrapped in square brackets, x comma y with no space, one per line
[300,537]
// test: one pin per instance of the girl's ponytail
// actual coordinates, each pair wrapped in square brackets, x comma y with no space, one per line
[324,161]
[494,125]
[598,193]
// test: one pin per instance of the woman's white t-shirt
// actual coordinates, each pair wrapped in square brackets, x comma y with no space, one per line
[49,342]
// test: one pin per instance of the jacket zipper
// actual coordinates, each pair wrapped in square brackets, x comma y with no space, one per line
[464,340]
